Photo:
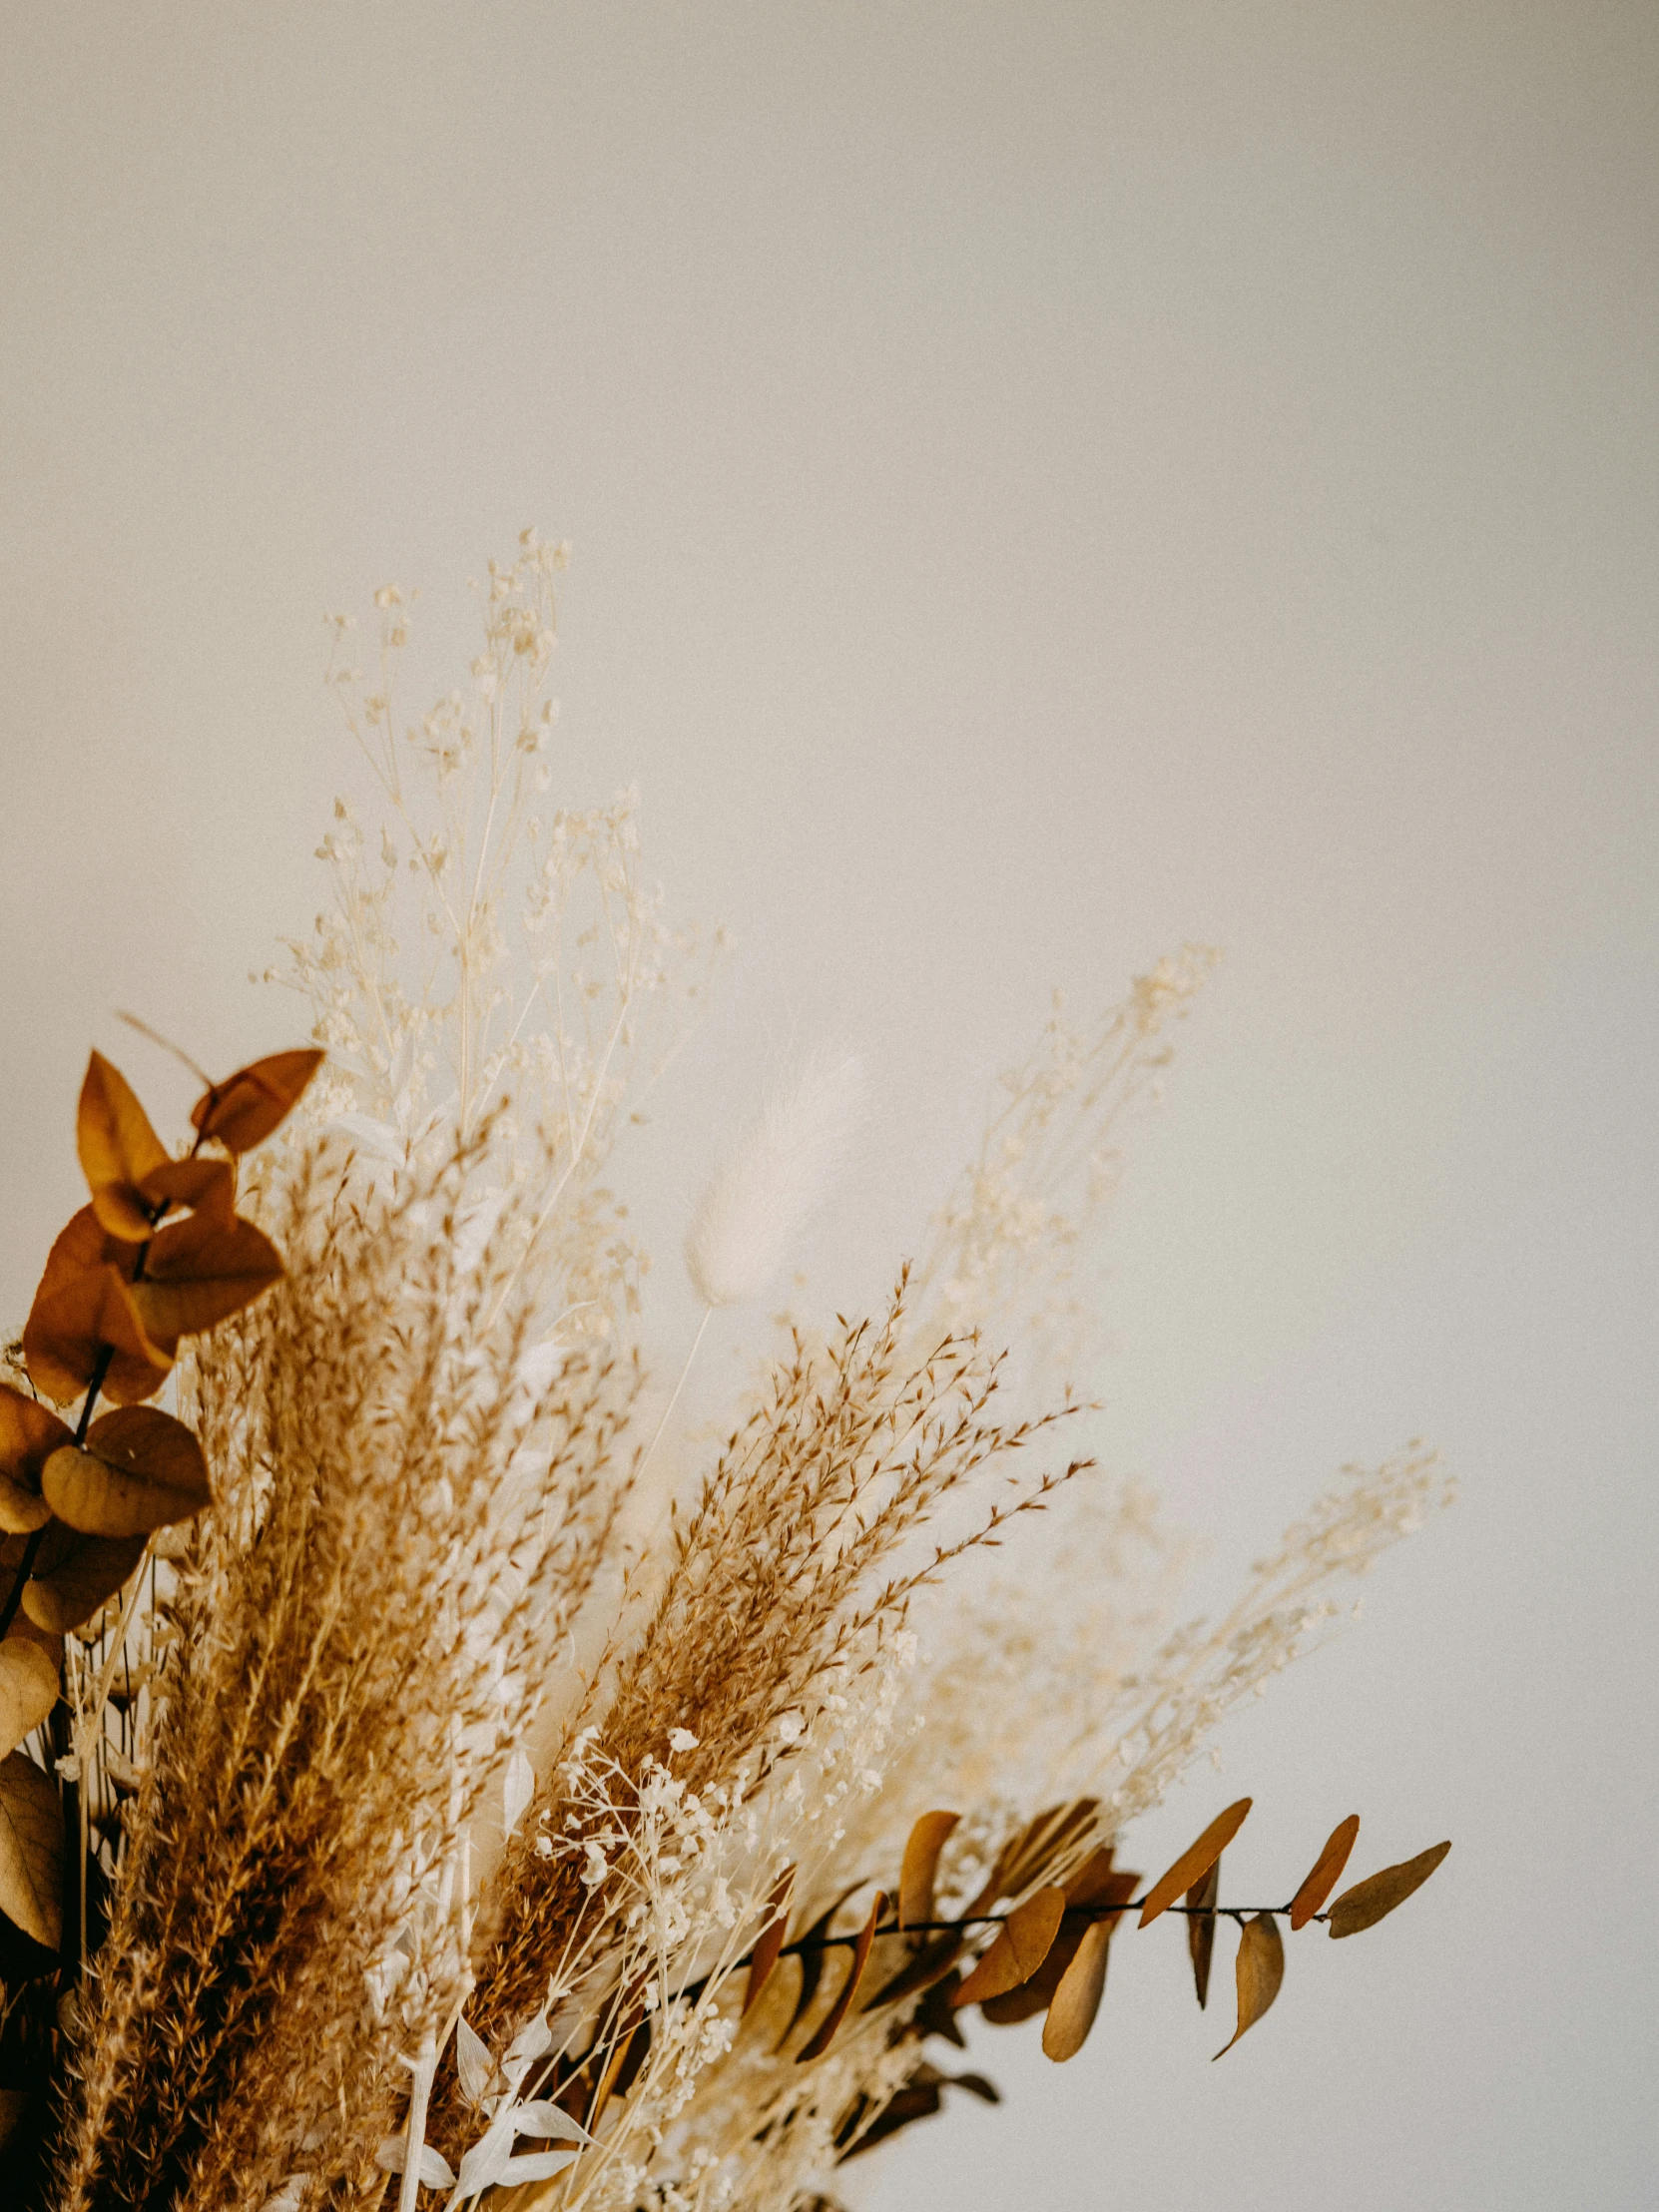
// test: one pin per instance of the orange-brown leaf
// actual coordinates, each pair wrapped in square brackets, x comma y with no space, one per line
[922,1864]
[770,1942]
[818,2042]
[88,1574]
[1094,1883]
[206,1186]
[1326,1871]
[1042,1843]
[199,1272]
[811,1957]
[1201,1930]
[31,1850]
[1258,1970]
[1021,1946]
[248,1106]
[29,1434]
[71,1327]
[28,1689]
[1372,1899]
[1194,1861]
[118,1149]
[1077,1999]
[930,1964]
[81,1246]
[140,1471]
[33,1633]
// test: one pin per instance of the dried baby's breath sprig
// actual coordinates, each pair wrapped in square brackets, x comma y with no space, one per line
[1006,1243]
[491,948]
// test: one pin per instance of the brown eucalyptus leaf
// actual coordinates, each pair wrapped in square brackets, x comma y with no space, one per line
[770,1942]
[31,1850]
[21,1510]
[1257,1970]
[91,1571]
[82,1243]
[824,2033]
[1094,1877]
[1049,1836]
[118,1149]
[922,1864]
[935,2014]
[634,2057]
[1095,1883]
[199,1272]
[930,1964]
[1194,1861]
[140,1471]
[919,2099]
[1021,1946]
[90,1311]
[1077,1999]
[1025,1845]
[1326,1871]
[205,1186]
[1372,1899]
[1201,1930]
[248,1106]
[29,1434]
[614,2066]
[976,2086]
[28,1689]
[812,1956]
[31,1632]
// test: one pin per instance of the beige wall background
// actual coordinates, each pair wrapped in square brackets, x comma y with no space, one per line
[1046,481]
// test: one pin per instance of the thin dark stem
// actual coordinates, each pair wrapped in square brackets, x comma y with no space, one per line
[104,1360]
[26,1567]
[797,1950]
[1239,1912]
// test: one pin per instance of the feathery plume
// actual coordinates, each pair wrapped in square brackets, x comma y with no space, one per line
[773,1179]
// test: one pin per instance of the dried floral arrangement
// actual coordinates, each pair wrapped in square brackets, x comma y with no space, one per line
[421,1785]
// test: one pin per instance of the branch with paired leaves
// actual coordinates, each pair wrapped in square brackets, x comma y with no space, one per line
[1047,1958]
[158,1255]
[1049,1955]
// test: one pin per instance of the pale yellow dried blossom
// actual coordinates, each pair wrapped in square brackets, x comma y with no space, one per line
[491,953]
[1004,1245]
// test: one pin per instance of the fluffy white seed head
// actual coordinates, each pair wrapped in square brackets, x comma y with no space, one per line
[760,1198]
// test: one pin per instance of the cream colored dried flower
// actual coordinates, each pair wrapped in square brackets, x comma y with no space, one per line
[766,1189]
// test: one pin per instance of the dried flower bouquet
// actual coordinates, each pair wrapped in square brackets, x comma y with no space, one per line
[422,1784]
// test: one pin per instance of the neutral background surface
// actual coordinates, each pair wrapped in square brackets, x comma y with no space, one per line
[1046,481]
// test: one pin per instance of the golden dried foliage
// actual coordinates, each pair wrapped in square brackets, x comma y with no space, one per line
[354,1648]
[427,1810]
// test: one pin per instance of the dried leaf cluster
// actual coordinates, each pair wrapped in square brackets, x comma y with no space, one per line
[429,1781]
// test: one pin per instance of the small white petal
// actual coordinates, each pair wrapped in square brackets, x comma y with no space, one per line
[540,2117]
[536,2165]
[435,2169]
[518,1788]
[472,2061]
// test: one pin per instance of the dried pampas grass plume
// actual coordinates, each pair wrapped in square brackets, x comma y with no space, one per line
[767,1188]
